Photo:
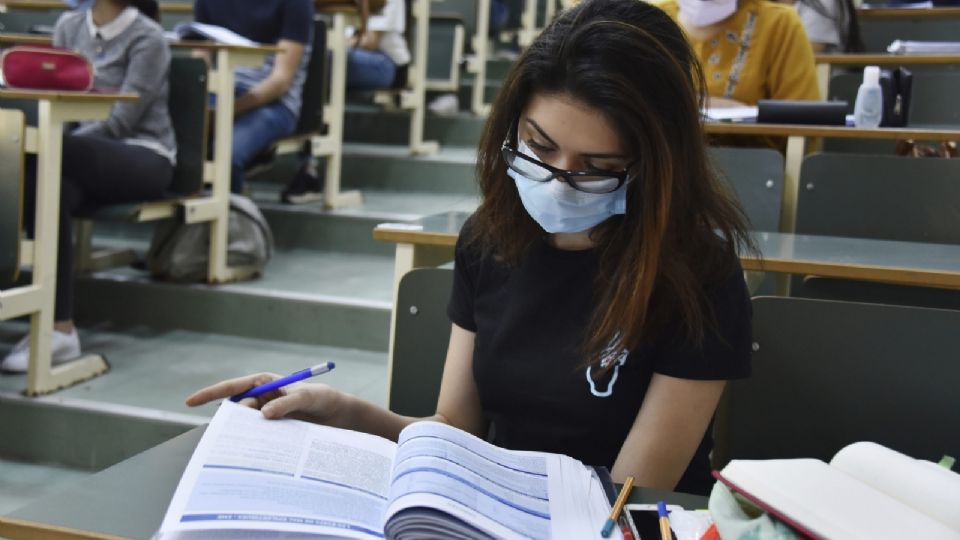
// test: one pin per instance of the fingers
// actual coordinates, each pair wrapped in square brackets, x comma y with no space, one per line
[298,401]
[231,387]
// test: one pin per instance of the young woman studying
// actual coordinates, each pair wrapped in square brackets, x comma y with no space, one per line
[128,157]
[598,304]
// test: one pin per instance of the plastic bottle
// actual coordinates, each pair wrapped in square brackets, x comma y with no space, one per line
[868,110]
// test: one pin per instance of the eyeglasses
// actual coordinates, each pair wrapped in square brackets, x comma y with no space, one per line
[592,181]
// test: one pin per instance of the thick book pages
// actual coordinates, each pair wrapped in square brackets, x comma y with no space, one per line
[219,34]
[866,493]
[251,477]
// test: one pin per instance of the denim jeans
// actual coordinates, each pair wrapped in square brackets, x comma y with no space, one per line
[369,70]
[253,131]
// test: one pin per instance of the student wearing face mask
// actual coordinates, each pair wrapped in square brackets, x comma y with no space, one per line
[598,304]
[750,49]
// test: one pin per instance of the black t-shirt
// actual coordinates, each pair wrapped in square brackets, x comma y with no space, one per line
[530,323]
[263,21]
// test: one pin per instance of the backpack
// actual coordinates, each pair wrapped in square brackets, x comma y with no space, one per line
[180,251]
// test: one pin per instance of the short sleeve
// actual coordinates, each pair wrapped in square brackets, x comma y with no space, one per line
[201,12]
[726,348]
[820,27]
[466,266]
[792,67]
[391,19]
[297,21]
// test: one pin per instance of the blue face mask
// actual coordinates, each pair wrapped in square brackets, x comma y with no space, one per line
[78,4]
[559,208]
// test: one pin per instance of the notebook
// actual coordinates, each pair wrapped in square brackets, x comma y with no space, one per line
[866,491]
[254,478]
[219,34]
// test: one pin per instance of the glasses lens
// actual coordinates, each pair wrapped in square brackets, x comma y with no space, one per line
[594,184]
[524,166]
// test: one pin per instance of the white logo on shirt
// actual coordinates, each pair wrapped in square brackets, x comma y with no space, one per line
[613,354]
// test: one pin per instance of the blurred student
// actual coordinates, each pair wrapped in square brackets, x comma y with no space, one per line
[127,158]
[750,49]
[268,97]
[831,25]
[377,55]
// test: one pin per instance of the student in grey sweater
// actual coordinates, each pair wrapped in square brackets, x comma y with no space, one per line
[129,157]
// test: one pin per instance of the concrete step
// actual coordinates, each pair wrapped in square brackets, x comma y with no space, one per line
[305,296]
[48,442]
[392,168]
[371,124]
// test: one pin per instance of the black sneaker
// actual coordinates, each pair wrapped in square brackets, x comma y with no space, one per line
[305,187]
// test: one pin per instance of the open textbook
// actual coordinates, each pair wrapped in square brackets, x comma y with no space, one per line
[250,477]
[867,491]
[219,34]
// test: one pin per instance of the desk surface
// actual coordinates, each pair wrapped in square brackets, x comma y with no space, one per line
[12,38]
[71,97]
[905,263]
[195,44]
[787,130]
[192,44]
[165,7]
[907,12]
[129,499]
[887,59]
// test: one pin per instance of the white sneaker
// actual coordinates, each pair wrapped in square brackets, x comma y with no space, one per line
[66,347]
[444,104]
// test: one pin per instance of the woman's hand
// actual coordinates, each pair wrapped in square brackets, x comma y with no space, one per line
[313,402]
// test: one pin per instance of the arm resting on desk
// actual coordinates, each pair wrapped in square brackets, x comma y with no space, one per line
[285,68]
[147,71]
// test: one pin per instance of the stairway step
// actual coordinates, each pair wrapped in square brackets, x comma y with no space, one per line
[139,402]
[372,124]
[305,296]
[392,168]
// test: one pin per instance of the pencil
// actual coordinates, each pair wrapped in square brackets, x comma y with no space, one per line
[617,508]
[664,521]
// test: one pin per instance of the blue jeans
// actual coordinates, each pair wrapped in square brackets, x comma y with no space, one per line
[369,70]
[499,15]
[253,131]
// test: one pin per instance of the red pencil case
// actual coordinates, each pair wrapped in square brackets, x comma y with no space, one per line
[46,68]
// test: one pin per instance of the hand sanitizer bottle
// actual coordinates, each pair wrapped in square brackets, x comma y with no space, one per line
[868,110]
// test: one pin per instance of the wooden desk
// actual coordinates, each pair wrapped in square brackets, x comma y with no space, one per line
[129,499]
[215,208]
[39,5]
[430,242]
[36,299]
[825,63]
[798,137]
[907,12]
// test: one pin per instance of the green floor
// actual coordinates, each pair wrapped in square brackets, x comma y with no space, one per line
[151,374]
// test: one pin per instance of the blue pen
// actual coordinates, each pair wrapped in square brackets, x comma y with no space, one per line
[318,369]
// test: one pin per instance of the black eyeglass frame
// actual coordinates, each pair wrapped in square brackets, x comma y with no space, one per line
[508,150]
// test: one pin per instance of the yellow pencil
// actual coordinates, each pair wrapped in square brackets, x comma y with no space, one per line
[617,508]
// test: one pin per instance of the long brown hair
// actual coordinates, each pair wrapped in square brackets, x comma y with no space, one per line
[681,233]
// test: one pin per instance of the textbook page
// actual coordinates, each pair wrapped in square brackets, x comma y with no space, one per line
[506,494]
[287,476]
[922,485]
[829,502]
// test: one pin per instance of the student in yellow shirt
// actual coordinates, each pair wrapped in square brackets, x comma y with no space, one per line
[750,49]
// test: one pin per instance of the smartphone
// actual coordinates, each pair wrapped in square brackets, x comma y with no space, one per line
[645,520]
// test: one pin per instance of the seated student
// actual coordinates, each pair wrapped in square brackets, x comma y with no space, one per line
[268,97]
[376,54]
[831,25]
[750,49]
[598,303]
[128,157]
